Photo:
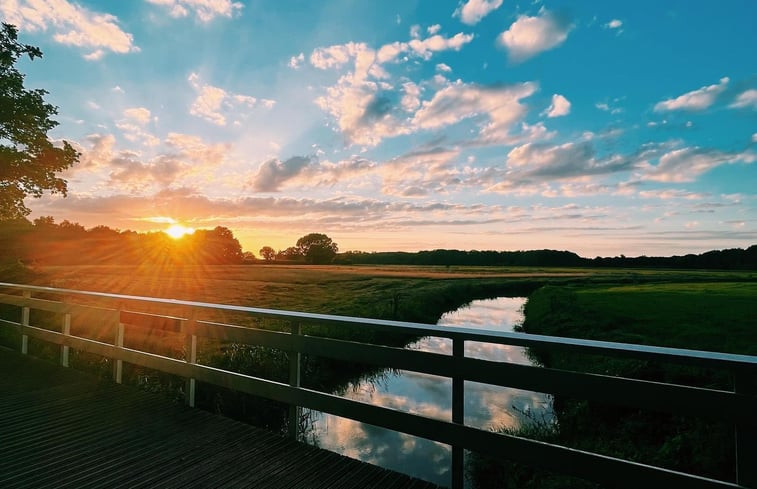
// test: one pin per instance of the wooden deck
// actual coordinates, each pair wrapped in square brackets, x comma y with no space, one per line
[61,428]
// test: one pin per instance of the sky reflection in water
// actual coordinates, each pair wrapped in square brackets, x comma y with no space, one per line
[486,406]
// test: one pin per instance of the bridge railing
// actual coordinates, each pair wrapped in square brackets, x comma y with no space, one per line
[737,406]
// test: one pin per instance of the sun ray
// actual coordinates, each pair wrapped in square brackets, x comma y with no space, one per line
[177,231]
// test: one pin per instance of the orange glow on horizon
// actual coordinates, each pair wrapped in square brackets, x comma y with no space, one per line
[177,231]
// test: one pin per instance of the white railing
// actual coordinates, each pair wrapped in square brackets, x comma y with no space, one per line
[737,406]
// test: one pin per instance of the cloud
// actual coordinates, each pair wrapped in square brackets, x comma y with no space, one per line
[337,55]
[204,10]
[424,172]
[686,164]
[474,10]
[109,169]
[568,160]
[136,133]
[213,103]
[138,114]
[443,68]
[437,43]
[560,106]
[72,25]
[433,29]
[274,172]
[366,108]
[614,24]
[699,99]
[529,36]
[410,100]
[745,100]
[130,171]
[499,104]
[296,61]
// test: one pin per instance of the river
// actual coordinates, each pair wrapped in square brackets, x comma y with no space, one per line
[486,406]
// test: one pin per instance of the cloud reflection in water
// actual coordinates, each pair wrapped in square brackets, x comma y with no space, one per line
[486,406]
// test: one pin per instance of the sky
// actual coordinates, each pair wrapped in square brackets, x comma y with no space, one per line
[603,128]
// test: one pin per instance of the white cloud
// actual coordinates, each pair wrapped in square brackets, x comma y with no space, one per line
[415,31]
[614,24]
[499,104]
[336,56]
[117,89]
[296,61]
[437,43]
[560,106]
[754,137]
[686,164]
[568,160]
[474,10]
[214,103]
[138,114]
[204,10]
[72,25]
[745,100]
[443,67]
[433,29]
[699,99]
[411,98]
[529,36]
[363,104]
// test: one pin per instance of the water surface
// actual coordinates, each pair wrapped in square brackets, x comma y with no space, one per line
[486,406]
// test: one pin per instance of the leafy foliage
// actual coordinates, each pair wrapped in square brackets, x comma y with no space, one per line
[267,253]
[317,248]
[28,165]
[46,243]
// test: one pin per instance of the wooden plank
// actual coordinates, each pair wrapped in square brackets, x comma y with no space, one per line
[113,436]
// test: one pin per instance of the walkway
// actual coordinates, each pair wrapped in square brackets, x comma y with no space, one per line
[61,428]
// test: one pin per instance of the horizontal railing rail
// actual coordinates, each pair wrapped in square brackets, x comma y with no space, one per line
[738,406]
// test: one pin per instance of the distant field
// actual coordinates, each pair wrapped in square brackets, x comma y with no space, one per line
[411,293]
[719,316]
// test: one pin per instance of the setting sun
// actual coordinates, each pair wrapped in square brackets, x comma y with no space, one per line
[177,231]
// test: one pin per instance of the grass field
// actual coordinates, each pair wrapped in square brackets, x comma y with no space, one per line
[718,316]
[706,315]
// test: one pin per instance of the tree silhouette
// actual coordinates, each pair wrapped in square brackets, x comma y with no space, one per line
[317,248]
[268,253]
[28,165]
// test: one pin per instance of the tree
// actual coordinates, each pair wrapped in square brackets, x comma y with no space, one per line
[317,248]
[29,163]
[267,253]
[217,247]
[289,254]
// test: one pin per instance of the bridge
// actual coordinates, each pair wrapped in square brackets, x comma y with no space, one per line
[48,415]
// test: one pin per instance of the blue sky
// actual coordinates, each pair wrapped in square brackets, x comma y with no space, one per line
[599,127]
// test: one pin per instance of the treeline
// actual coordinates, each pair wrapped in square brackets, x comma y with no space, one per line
[44,242]
[533,258]
[730,259]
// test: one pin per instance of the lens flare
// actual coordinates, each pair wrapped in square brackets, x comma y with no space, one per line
[177,231]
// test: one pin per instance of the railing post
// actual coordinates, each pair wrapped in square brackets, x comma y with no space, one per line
[118,365]
[25,321]
[66,330]
[458,414]
[295,358]
[746,435]
[190,352]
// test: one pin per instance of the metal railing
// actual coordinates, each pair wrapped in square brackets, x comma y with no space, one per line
[737,406]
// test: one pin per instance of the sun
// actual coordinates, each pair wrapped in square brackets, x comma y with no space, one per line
[177,231]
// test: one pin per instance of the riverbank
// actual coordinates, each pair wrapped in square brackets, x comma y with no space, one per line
[716,316]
